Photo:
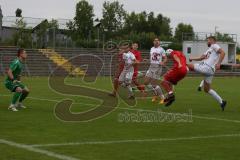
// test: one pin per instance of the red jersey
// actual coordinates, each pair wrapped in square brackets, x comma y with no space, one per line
[138,57]
[182,58]
[176,74]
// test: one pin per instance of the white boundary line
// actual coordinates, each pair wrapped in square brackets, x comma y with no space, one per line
[36,150]
[140,110]
[136,140]
[51,100]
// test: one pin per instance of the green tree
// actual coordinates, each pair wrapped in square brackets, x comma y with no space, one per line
[164,30]
[149,23]
[181,29]
[131,22]
[113,17]
[46,28]
[18,12]
[22,37]
[82,25]
[224,37]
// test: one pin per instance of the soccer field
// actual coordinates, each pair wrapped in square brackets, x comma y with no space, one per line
[36,134]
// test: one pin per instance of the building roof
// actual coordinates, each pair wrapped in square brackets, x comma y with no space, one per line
[9,21]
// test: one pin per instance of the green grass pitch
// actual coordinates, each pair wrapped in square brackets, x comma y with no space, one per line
[212,135]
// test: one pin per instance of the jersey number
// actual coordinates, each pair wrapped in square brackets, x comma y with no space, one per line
[155,57]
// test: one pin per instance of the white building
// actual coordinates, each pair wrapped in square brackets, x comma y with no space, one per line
[195,48]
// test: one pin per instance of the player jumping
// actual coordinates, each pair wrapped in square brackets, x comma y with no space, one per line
[157,60]
[175,74]
[212,60]
[125,78]
[13,82]
[138,57]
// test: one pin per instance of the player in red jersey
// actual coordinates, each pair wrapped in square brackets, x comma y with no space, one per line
[175,74]
[117,74]
[138,56]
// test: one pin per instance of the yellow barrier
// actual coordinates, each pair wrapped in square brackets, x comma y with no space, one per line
[62,62]
[238,57]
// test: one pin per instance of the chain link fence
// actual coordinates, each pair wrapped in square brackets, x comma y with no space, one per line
[39,36]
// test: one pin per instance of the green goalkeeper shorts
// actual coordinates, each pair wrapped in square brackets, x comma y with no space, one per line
[12,86]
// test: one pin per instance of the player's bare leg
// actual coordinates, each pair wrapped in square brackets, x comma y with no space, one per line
[207,89]
[157,91]
[115,88]
[130,91]
[147,83]
[127,85]
[169,88]
[140,87]
[191,68]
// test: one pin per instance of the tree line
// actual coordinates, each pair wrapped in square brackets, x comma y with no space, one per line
[87,30]
[116,23]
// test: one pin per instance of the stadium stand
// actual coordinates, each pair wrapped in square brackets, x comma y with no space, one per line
[36,64]
[42,62]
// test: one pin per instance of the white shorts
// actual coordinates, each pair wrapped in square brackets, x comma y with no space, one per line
[154,73]
[206,70]
[126,76]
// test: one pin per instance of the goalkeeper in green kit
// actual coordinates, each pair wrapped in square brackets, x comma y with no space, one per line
[13,82]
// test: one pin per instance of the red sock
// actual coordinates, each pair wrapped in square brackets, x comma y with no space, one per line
[167,86]
[139,86]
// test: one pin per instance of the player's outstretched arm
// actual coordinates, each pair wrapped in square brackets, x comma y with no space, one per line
[198,59]
[164,60]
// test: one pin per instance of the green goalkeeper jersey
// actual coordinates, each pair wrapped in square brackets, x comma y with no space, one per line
[16,66]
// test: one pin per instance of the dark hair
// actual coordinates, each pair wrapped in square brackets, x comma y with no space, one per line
[128,45]
[20,51]
[212,37]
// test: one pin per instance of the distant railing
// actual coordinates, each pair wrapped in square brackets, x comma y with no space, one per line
[202,36]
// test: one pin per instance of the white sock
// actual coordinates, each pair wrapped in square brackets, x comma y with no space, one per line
[151,88]
[201,84]
[159,92]
[171,92]
[215,96]
[130,91]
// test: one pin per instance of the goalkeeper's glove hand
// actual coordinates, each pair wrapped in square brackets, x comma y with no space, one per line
[16,81]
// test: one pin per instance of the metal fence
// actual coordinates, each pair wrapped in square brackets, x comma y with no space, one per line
[53,37]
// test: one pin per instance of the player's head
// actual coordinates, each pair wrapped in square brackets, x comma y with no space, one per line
[211,40]
[126,47]
[156,42]
[135,46]
[168,52]
[21,53]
